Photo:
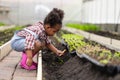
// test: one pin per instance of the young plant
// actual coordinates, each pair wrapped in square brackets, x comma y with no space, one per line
[73,41]
[85,27]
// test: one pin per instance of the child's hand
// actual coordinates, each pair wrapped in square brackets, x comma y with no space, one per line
[60,53]
[29,61]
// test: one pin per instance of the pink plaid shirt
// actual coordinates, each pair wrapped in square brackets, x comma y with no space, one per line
[30,39]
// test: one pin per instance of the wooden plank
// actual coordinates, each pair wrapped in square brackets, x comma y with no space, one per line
[39,70]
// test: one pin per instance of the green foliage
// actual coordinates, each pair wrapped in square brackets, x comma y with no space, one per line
[85,27]
[11,30]
[8,33]
[17,28]
[2,24]
[100,54]
[104,61]
[117,55]
[73,41]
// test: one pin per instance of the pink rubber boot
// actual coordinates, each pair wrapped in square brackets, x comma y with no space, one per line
[24,65]
[23,60]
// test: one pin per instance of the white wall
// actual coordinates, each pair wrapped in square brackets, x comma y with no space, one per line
[94,11]
[23,11]
[101,11]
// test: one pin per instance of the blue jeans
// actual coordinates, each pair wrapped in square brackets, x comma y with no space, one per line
[18,43]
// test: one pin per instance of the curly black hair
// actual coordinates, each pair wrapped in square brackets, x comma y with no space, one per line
[54,17]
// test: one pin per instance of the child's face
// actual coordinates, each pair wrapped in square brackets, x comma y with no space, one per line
[52,30]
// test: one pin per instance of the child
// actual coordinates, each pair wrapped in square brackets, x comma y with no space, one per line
[33,38]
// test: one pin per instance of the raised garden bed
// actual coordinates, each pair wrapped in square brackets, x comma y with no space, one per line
[94,29]
[69,67]
[2,24]
[107,34]
[6,35]
[105,59]
[95,53]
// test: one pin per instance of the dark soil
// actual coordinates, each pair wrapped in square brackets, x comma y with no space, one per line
[107,34]
[69,67]
[5,36]
[73,69]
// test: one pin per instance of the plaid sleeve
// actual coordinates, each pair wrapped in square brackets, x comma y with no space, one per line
[29,42]
[48,41]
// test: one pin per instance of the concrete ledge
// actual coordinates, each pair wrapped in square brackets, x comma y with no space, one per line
[100,39]
[85,34]
[6,27]
[116,42]
[39,70]
[5,49]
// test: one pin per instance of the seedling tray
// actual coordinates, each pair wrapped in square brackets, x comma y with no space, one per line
[90,59]
[110,70]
